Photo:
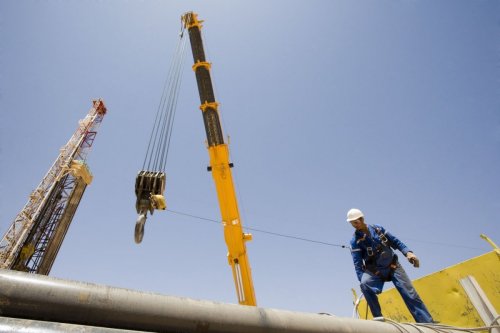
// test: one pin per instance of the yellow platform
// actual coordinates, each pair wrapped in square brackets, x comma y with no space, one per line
[444,295]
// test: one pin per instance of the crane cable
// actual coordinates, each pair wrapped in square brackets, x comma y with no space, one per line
[264,231]
[150,181]
[311,240]
[159,141]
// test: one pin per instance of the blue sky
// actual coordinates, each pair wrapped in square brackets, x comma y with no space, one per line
[388,106]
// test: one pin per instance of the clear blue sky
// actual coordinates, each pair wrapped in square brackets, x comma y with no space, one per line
[389,106]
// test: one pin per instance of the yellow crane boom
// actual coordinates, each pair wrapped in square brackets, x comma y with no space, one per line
[220,167]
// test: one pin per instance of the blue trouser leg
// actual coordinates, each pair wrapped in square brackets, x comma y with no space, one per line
[371,286]
[410,296]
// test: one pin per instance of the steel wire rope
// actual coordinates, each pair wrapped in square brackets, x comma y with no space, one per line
[416,327]
[161,125]
[174,105]
[263,231]
[432,326]
[400,327]
[462,329]
[149,151]
[436,329]
[154,132]
[167,109]
[170,89]
[440,327]
[279,234]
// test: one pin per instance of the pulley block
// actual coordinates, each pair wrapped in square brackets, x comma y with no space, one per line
[149,188]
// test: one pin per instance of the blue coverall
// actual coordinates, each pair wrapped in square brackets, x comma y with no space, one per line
[373,257]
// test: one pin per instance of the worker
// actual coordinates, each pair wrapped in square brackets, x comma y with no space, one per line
[375,263]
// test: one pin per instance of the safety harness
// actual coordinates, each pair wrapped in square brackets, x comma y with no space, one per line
[370,264]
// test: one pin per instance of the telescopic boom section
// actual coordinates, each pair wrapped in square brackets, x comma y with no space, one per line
[221,168]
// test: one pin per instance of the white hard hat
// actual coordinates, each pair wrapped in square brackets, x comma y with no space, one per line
[354,214]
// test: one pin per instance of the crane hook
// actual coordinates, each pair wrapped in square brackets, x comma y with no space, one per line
[139,227]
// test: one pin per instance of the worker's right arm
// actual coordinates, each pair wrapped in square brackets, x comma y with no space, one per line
[357,259]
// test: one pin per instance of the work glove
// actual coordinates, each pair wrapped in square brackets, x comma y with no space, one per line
[413,259]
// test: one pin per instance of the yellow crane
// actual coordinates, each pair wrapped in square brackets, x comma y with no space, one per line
[150,181]
[220,167]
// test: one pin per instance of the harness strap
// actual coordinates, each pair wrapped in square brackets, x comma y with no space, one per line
[382,237]
[372,252]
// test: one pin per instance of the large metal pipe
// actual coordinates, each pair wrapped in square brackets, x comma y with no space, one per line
[16,325]
[39,297]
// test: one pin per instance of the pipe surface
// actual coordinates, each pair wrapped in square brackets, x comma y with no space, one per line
[38,297]
[13,325]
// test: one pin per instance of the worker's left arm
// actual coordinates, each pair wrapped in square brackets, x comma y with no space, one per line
[396,243]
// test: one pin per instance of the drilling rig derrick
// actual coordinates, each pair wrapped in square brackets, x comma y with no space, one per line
[33,239]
